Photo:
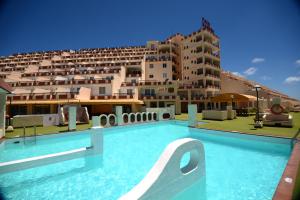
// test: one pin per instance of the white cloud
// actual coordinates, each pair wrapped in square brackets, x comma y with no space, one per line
[266,78]
[258,60]
[250,71]
[298,62]
[237,74]
[292,79]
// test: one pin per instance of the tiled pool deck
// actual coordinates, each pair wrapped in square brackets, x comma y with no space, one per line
[286,189]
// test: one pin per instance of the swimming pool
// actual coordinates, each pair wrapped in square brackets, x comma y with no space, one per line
[237,166]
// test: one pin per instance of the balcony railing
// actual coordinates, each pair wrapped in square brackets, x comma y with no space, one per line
[47,96]
[157,97]
[133,75]
[114,96]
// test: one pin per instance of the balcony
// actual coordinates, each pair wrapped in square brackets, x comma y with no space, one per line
[128,84]
[157,97]
[153,83]
[189,86]
[114,96]
[147,96]
[134,75]
[212,76]
[217,87]
[46,96]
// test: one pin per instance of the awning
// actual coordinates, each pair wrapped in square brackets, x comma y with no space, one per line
[60,78]
[77,77]
[21,91]
[227,97]
[63,90]
[5,88]
[41,79]
[41,91]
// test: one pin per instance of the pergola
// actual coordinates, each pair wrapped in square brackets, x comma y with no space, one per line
[5,89]
[241,100]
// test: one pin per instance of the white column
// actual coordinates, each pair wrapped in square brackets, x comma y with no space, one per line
[96,121]
[2,114]
[72,117]
[172,111]
[160,114]
[97,140]
[119,114]
[192,112]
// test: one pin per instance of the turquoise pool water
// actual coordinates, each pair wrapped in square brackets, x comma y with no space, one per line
[238,167]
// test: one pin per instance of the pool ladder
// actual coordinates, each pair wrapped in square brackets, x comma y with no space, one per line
[294,139]
[33,136]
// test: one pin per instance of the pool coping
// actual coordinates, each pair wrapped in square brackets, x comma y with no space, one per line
[49,135]
[287,185]
[239,132]
[245,133]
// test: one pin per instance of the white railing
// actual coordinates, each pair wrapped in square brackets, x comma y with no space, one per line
[168,178]
[96,147]
[120,118]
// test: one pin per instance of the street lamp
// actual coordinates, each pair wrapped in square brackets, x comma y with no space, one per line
[258,124]
[232,97]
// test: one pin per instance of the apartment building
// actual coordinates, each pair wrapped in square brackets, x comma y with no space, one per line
[180,70]
[231,83]
[177,71]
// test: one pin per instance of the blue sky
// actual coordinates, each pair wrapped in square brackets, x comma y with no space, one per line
[260,39]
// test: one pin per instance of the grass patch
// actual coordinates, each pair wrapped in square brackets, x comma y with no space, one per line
[18,132]
[241,124]
[246,125]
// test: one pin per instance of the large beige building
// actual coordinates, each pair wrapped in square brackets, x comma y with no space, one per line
[177,71]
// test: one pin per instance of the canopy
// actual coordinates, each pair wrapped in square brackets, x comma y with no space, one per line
[226,97]
[41,78]
[21,91]
[60,78]
[40,91]
[63,90]
[4,87]
[77,77]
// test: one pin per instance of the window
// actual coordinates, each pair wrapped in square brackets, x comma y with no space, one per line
[171,90]
[101,90]
[164,65]
[41,109]
[149,92]
[129,91]
[164,75]
[133,80]
[151,66]
[151,76]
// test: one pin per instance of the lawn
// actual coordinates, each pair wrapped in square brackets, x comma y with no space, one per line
[241,124]
[18,132]
[245,125]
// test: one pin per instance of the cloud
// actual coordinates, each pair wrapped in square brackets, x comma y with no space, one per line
[266,78]
[250,71]
[237,74]
[258,60]
[298,62]
[292,79]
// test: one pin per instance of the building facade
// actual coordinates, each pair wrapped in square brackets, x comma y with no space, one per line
[177,71]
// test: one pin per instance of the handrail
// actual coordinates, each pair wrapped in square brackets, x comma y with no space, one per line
[294,138]
[24,135]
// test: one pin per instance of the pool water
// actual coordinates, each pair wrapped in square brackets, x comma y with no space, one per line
[238,167]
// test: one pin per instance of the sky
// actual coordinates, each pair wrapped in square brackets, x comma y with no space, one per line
[260,39]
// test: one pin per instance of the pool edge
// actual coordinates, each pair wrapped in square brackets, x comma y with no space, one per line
[286,190]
